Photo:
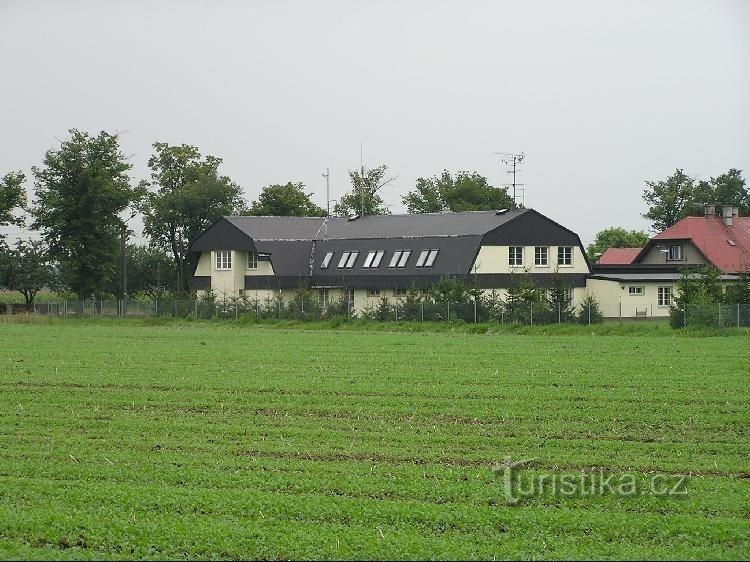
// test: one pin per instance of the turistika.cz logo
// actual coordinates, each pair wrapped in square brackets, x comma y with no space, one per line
[519,484]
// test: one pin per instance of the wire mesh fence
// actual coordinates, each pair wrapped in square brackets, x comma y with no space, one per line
[305,307]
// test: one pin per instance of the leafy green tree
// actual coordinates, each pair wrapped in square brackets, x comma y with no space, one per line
[616,237]
[727,189]
[80,191]
[364,198]
[699,294]
[467,191]
[287,200]
[669,200]
[560,299]
[25,269]
[12,197]
[589,311]
[185,195]
[738,292]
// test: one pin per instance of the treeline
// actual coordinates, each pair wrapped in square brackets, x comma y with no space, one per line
[84,200]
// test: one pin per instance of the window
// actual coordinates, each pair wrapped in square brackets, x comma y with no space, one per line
[373,292]
[224,259]
[665,296]
[426,258]
[425,291]
[373,259]
[515,256]
[565,255]
[323,297]
[347,260]
[252,260]
[326,260]
[675,252]
[541,255]
[395,258]
[399,291]
[349,294]
[636,290]
[404,258]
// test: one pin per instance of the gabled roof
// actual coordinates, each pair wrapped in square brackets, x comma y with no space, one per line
[727,247]
[618,256]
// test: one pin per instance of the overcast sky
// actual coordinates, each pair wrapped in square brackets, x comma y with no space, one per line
[599,95]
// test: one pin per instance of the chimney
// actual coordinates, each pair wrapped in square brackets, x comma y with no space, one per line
[709,210]
[726,213]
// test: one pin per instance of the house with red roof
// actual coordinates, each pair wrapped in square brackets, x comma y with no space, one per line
[640,282]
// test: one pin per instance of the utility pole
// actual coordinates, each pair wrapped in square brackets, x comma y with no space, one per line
[327,175]
[512,160]
[362,178]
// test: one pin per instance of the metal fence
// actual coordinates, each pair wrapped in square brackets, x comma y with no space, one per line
[387,310]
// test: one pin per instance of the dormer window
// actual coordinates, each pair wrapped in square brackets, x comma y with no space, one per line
[252,260]
[675,252]
[373,259]
[426,258]
[326,260]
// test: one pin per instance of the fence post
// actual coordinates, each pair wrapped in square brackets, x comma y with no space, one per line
[620,311]
[475,309]
[195,308]
[531,313]
[721,323]
[449,311]
[236,312]
[559,319]
[684,315]
[738,315]
[589,313]
[396,309]
[422,311]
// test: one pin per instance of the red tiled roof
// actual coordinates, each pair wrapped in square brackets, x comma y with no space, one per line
[618,256]
[712,236]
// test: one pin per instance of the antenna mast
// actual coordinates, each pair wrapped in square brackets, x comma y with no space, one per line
[362,178]
[327,175]
[512,160]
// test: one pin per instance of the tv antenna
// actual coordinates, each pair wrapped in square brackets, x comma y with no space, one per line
[512,160]
[327,176]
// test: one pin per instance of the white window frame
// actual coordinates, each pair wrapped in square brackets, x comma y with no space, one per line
[514,253]
[561,257]
[252,260]
[378,258]
[636,290]
[394,258]
[678,248]
[324,297]
[404,258]
[223,261]
[368,259]
[431,258]
[326,260]
[422,258]
[342,261]
[373,292]
[665,295]
[538,262]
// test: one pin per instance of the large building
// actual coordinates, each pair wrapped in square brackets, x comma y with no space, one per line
[364,258]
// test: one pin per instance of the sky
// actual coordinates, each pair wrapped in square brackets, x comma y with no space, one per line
[599,96]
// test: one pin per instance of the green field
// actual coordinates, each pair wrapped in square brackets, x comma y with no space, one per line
[226,441]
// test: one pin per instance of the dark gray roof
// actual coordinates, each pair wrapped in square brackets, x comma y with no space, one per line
[381,226]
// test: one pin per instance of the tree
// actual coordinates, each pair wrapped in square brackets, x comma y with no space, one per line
[12,197]
[187,195]
[468,191]
[81,189]
[669,200]
[25,269]
[615,237]
[727,189]
[287,200]
[364,198]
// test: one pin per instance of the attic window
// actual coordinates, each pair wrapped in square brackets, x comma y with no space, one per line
[326,260]
[404,258]
[342,261]
[373,259]
[395,258]
[351,260]
[426,258]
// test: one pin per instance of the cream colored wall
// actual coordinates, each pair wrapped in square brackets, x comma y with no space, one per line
[204,265]
[494,259]
[229,282]
[690,254]
[611,294]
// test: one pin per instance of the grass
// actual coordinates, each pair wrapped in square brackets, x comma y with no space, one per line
[223,440]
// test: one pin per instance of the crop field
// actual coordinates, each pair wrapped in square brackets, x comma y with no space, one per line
[226,441]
